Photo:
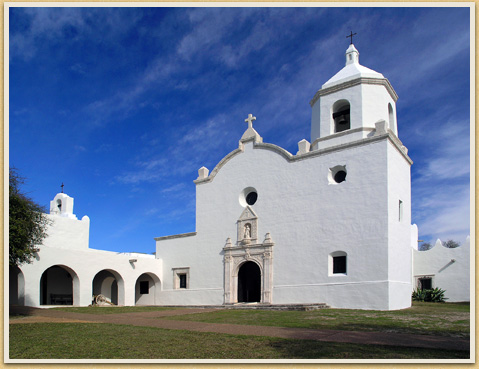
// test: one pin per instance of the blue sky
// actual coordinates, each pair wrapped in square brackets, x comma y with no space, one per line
[124,105]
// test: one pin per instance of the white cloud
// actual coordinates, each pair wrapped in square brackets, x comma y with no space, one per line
[448,168]
[148,171]
[175,188]
[79,68]
[44,24]
[449,155]
[445,212]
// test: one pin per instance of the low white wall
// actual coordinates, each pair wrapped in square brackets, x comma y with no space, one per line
[68,233]
[84,266]
[448,268]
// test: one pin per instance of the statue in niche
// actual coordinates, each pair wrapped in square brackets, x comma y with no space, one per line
[247,231]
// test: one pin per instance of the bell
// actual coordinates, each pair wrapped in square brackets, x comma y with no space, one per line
[341,121]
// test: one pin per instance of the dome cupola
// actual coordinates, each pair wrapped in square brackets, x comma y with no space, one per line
[349,104]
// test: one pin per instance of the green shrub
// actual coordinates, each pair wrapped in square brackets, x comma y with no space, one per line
[418,295]
[432,295]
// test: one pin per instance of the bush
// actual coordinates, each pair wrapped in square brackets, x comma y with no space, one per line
[450,244]
[432,295]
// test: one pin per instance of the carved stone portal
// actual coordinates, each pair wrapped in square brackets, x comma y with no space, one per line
[247,248]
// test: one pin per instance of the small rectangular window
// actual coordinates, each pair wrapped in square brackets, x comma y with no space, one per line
[144,287]
[425,283]
[400,210]
[182,280]
[339,264]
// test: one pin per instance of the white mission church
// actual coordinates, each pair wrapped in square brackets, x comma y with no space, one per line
[329,224]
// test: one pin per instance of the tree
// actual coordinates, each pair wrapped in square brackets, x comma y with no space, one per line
[425,246]
[28,223]
[450,244]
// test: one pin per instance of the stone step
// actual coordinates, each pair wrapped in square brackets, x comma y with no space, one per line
[256,306]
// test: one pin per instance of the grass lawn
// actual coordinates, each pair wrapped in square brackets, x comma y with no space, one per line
[108,341]
[445,319]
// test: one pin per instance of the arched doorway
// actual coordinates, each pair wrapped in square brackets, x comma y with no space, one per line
[108,283]
[16,286]
[57,286]
[147,289]
[249,283]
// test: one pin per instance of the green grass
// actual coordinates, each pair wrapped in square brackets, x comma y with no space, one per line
[107,341]
[112,309]
[422,318]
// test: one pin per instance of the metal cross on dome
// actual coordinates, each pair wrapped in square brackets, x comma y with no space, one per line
[351,36]
[62,186]
[250,120]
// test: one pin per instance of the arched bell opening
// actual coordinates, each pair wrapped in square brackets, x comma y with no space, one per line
[147,289]
[16,286]
[110,284]
[59,285]
[249,282]
[341,116]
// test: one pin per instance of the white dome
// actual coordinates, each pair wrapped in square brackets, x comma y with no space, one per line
[352,70]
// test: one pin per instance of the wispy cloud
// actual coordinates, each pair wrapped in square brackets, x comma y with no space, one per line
[79,68]
[174,189]
[444,212]
[154,94]
[80,148]
[147,171]
[44,23]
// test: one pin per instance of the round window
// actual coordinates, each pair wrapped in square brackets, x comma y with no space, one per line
[337,174]
[251,198]
[340,176]
[248,196]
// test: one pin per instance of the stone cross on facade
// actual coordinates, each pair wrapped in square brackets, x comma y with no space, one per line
[250,120]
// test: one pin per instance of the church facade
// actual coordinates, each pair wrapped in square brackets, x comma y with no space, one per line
[329,224]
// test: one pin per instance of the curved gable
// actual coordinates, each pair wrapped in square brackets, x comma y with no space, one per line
[256,145]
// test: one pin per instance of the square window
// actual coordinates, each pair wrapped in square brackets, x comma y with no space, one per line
[144,287]
[181,278]
[425,283]
[339,264]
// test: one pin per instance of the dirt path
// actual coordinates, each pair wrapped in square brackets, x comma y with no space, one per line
[45,319]
[153,319]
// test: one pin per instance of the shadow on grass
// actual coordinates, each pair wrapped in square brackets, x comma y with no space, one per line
[82,341]
[307,349]
[16,311]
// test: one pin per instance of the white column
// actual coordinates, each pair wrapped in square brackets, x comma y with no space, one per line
[267,278]
[32,289]
[228,273]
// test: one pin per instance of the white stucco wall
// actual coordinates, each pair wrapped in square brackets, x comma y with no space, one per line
[448,268]
[84,266]
[308,219]
[67,233]
[399,228]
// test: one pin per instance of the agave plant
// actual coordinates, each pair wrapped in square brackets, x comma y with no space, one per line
[431,295]
[437,295]
[419,295]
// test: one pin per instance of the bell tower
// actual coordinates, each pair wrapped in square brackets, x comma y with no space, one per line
[348,105]
[62,205]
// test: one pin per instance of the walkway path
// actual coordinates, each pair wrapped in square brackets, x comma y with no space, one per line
[153,319]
